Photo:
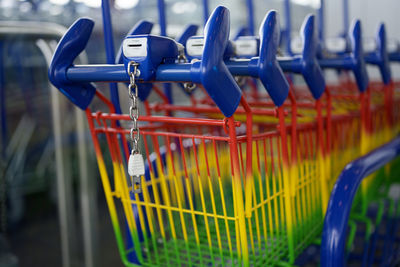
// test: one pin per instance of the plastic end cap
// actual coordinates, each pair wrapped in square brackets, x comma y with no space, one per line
[359,68]
[270,72]
[68,49]
[311,71]
[213,73]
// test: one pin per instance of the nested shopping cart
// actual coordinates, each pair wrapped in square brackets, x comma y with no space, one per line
[215,191]
[236,182]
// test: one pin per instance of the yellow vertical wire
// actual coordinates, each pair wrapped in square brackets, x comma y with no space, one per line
[261,188]
[212,198]
[221,190]
[257,219]
[192,156]
[166,195]
[274,177]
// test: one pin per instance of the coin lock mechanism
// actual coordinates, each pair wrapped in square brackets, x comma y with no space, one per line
[247,46]
[149,51]
[195,45]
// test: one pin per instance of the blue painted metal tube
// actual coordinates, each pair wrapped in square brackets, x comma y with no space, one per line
[243,67]
[161,18]
[174,73]
[110,51]
[97,73]
[205,11]
[394,56]
[336,63]
[321,21]
[250,17]
[346,17]
[169,72]
[117,73]
[288,26]
[163,32]
[372,58]
[165,73]
[340,203]
[291,65]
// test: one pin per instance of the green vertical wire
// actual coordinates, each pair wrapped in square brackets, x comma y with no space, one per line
[368,224]
[146,242]
[352,234]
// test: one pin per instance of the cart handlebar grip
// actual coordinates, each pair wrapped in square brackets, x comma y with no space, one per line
[353,61]
[268,68]
[380,56]
[307,64]
[142,27]
[211,71]
[384,64]
[310,67]
[70,46]
[358,63]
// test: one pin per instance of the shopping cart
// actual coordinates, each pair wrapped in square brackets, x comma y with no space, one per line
[232,190]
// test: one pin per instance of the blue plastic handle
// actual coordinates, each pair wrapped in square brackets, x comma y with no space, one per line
[380,56]
[353,61]
[268,68]
[142,27]
[359,67]
[211,71]
[70,46]
[311,70]
[307,64]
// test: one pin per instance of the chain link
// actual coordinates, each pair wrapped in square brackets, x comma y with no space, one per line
[134,108]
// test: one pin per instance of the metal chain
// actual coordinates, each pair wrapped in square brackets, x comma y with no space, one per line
[134,108]
[135,163]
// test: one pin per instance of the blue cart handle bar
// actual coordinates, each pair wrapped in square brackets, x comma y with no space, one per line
[211,71]
[340,203]
[145,27]
[265,67]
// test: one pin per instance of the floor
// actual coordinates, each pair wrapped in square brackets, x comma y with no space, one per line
[36,240]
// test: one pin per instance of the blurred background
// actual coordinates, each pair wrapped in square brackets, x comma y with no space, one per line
[52,209]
